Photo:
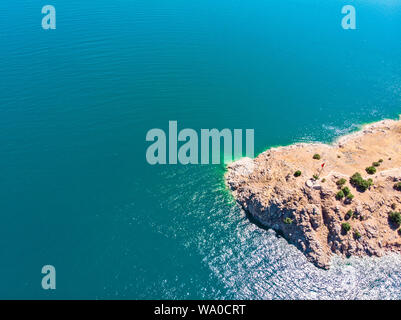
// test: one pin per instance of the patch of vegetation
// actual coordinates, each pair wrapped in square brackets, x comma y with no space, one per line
[316,177]
[349,197]
[297,173]
[340,194]
[349,214]
[376,164]
[288,220]
[357,234]
[346,227]
[346,191]
[397,186]
[341,182]
[371,170]
[395,217]
[316,156]
[381,160]
[393,206]
[361,184]
[324,180]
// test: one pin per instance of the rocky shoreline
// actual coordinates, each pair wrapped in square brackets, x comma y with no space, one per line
[310,193]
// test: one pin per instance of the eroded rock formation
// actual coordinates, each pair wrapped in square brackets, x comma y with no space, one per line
[306,211]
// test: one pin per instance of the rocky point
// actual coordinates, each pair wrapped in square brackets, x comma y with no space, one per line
[305,192]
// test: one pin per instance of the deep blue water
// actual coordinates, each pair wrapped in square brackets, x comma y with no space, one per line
[76,191]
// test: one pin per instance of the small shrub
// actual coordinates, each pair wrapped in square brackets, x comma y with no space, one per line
[397,186]
[371,170]
[316,156]
[356,177]
[350,197]
[395,217]
[357,234]
[341,182]
[316,177]
[287,220]
[376,164]
[346,227]
[297,173]
[381,160]
[324,180]
[340,195]
[361,184]
[346,191]
[349,214]
[393,206]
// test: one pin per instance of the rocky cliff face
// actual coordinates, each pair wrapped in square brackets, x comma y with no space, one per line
[306,209]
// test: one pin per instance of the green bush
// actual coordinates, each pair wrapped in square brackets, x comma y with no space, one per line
[371,170]
[297,173]
[316,156]
[357,234]
[397,186]
[350,197]
[361,184]
[346,191]
[381,160]
[341,182]
[323,180]
[346,227]
[340,194]
[376,164]
[287,220]
[395,217]
[349,214]
[356,178]
[316,177]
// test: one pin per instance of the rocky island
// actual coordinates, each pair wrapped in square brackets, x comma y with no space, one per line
[342,198]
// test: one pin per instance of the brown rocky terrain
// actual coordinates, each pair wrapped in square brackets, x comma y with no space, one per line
[307,210]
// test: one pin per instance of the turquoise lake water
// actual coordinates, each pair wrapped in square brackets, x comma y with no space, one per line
[76,103]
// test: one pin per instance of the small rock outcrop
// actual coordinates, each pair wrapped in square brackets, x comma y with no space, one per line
[306,207]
